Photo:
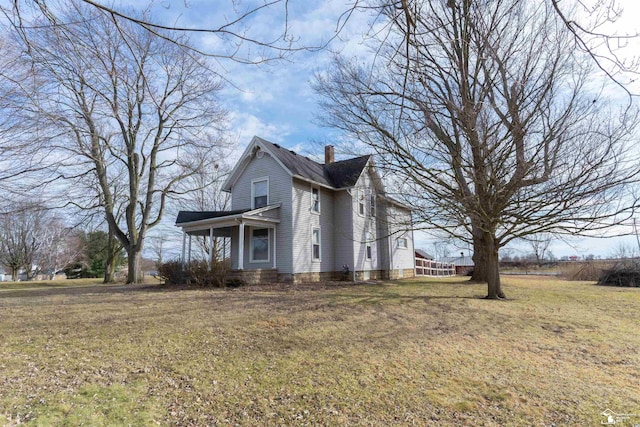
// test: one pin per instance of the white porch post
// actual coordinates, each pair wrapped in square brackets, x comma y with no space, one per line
[211,246]
[274,248]
[189,253]
[224,248]
[184,243]
[241,247]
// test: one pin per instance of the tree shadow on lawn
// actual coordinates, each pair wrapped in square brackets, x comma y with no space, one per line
[110,288]
[378,298]
[297,297]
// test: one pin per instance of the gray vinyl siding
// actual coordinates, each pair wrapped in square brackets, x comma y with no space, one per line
[365,227]
[343,231]
[400,226]
[304,220]
[385,239]
[234,248]
[280,183]
[343,213]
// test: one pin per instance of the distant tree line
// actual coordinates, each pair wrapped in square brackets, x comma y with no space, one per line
[36,241]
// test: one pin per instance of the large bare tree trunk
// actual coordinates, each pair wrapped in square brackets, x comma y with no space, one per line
[112,255]
[480,256]
[141,112]
[490,118]
[490,249]
[134,274]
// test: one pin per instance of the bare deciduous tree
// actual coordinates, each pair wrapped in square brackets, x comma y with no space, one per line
[234,29]
[488,110]
[123,109]
[539,244]
[34,240]
[59,246]
[203,192]
[12,237]
[232,26]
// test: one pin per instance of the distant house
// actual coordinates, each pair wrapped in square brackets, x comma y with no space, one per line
[293,219]
[419,253]
[427,266]
[464,264]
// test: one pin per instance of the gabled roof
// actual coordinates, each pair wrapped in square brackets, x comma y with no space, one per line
[465,261]
[345,173]
[337,175]
[296,164]
[422,254]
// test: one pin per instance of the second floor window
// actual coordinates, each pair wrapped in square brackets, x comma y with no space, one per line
[361,203]
[315,199]
[259,193]
[402,242]
[372,202]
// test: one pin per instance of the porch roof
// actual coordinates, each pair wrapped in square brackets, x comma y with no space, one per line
[221,222]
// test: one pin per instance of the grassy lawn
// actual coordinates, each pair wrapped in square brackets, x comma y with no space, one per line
[64,283]
[43,284]
[413,353]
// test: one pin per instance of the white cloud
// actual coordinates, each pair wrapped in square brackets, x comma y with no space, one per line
[247,126]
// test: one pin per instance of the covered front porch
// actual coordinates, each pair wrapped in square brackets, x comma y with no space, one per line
[248,239]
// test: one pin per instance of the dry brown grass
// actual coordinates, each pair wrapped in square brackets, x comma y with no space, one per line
[411,353]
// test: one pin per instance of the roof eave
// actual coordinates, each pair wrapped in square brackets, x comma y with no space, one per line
[249,214]
[313,181]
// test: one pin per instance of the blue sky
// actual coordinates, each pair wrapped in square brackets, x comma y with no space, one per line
[275,101]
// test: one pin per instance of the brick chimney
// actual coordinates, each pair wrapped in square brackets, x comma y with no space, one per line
[328,154]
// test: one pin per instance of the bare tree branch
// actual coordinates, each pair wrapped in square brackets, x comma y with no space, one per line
[492,117]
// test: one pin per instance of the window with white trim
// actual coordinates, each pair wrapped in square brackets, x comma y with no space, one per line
[259,245]
[368,250]
[259,193]
[315,199]
[372,203]
[402,242]
[361,203]
[315,244]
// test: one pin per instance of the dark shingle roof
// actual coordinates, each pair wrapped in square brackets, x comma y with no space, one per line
[346,172]
[340,174]
[189,216]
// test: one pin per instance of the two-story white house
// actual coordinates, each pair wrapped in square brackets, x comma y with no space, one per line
[294,220]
